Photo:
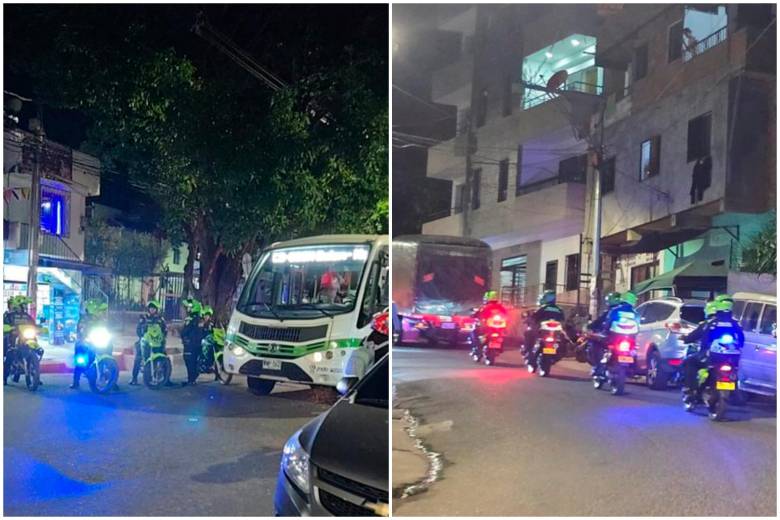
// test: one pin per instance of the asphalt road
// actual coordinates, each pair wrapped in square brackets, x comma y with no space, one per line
[513,443]
[205,450]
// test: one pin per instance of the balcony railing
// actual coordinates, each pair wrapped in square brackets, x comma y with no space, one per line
[705,43]
[546,183]
[575,86]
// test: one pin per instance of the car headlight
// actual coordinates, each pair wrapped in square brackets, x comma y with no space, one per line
[99,337]
[29,333]
[295,463]
[236,350]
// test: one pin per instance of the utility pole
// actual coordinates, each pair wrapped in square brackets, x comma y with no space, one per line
[596,249]
[35,214]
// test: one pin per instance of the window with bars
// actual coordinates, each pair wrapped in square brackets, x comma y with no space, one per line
[503,179]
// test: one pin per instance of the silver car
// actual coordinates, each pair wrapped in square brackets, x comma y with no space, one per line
[757,314]
[659,350]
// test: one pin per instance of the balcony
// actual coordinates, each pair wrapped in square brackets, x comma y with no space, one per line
[576,83]
[705,44]
[444,224]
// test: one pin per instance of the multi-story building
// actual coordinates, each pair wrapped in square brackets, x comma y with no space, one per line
[517,165]
[68,177]
[689,142]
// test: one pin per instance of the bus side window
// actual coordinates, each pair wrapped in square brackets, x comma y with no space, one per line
[376,289]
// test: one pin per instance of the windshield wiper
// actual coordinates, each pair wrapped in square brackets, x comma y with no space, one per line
[314,307]
[270,309]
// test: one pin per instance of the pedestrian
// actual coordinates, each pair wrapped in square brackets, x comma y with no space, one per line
[191,336]
[689,42]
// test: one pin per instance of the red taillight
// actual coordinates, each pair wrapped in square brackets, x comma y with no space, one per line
[725,368]
[496,321]
[550,339]
[624,346]
[675,362]
[495,335]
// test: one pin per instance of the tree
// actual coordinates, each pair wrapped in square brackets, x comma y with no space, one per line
[232,165]
[126,252]
[760,253]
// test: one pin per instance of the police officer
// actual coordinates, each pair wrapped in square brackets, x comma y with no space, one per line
[15,316]
[548,310]
[490,306]
[152,316]
[191,337]
[595,345]
[718,323]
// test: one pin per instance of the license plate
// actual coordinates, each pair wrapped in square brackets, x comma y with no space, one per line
[549,350]
[625,359]
[725,385]
[494,344]
[448,325]
[272,364]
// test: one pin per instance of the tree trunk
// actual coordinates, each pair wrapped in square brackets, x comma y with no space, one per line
[189,266]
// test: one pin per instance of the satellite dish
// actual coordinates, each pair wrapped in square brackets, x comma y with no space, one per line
[556,80]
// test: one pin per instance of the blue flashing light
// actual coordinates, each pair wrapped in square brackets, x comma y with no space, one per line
[726,339]
[81,360]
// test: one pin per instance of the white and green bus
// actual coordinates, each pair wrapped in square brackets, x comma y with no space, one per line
[305,310]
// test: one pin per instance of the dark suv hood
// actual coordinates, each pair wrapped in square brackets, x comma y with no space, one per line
[351,440]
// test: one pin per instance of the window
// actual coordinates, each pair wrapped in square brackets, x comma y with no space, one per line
[768,320]
[551,275]
[640,62]
[376,289]
[518,168]
[572,272]
[503,179]
[674,41]
[458,201]
[482,106]
[692,313]
[176,255]
[55,206]
[699,137]
[650,158]
[506,96]
[513,279]
[608,176]
[739,306]
[749,321]
[476,180]
[573,169]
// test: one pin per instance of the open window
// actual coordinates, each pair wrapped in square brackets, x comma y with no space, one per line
[375,297]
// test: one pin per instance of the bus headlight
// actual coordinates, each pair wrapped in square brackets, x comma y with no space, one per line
[295,463]
[99,337]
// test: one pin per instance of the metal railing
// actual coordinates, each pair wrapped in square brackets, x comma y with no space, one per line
[54,246]
[705,44]
[571,86]
[523,189]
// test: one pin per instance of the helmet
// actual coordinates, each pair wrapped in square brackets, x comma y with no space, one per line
[194,307]
[629,298]
[95,307]
[207,311]
[489,296]
[724,303]
[548,298]
[19,301]
[153,303]
[710,308]
[613,299]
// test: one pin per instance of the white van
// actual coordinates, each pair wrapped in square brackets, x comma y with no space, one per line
[757,314]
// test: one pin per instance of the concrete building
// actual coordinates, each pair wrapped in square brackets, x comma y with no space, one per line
[517,166]
[689,143]
[68,177]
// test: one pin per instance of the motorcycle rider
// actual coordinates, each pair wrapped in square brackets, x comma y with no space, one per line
[94,313]
[15,316]
[490,306]
[718,322]
[191,336]
[548,310]
[152,316]
[596,347]
[625,304]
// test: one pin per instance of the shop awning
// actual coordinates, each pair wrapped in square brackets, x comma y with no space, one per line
[690,274]
[64,263]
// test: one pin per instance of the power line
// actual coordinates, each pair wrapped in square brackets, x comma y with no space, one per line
[421,100]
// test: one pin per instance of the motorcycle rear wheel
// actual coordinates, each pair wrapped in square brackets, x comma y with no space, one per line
[544,366]
[716,405]
[618,381]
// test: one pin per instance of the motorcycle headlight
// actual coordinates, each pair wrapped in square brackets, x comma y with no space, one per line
[99,337]
[295,463]
[29,333]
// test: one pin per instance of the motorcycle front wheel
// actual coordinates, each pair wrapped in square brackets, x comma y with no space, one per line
[157,372]
[102,375]
[219,371]
[32,376]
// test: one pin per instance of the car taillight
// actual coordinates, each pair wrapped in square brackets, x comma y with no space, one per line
[674,326]
[624,346]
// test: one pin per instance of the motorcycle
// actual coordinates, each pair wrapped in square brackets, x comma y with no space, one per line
[26,355]
[97,360]
[544,353]
[213,347]
[716,382]
[617,363]
[490,343]
[156,364]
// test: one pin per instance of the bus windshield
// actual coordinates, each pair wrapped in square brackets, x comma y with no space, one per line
[304,282]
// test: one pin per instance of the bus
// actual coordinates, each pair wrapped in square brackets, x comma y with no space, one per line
[305,309]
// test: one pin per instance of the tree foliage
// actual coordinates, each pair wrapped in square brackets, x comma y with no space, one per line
[760,253]
[126,252]
[233,165]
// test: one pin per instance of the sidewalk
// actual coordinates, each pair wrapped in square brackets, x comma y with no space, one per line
[410,465]
[58,359]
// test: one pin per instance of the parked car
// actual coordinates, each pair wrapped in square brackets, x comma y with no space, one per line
[660,352]
[337,464]
[757,314]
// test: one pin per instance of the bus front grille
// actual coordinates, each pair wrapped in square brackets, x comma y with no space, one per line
[290,334]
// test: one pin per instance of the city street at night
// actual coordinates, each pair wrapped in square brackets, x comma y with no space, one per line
[513,443]
[205,450]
